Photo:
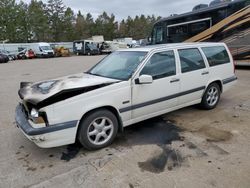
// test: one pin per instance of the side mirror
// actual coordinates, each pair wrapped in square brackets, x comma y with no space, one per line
[144,79]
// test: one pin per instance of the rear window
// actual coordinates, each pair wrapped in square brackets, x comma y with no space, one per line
[216,55]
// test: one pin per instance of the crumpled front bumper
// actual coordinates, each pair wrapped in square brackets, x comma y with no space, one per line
[49,136]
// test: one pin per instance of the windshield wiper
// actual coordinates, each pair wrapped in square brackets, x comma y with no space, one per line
[103,76]
[93,74]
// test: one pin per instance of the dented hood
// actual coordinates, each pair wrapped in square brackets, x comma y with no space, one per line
[50,91]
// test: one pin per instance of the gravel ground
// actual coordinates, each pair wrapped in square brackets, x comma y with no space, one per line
[186,148]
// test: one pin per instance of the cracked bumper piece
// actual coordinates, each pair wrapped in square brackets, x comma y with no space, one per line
[46,137]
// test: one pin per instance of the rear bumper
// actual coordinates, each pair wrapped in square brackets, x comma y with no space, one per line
[45,137]
[229,82]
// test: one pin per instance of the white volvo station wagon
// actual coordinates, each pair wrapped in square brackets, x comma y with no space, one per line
[126,87]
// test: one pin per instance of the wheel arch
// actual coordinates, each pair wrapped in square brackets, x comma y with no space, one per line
[217,81]
[111,109]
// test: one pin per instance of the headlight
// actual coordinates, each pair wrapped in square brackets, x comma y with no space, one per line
[34,113]
[38,117]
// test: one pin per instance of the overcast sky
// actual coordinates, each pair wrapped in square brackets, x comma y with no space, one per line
[124,8]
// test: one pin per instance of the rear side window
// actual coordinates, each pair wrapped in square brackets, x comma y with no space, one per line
[160,65]
[191,60]
[216,55]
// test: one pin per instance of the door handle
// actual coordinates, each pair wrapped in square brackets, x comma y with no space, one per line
[205,72]
[174,80]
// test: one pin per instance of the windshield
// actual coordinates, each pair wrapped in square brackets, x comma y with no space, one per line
[92,46]
[45,47]
[157,35]
[118,65]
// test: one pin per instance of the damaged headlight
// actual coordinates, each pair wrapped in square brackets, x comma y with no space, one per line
[34,113]
[38,117]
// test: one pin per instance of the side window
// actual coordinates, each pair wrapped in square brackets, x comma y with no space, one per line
[158,35]
[191,60]
[160,65]
[216,55]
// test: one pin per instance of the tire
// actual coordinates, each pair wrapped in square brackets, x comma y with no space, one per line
[98,129]
[211,97]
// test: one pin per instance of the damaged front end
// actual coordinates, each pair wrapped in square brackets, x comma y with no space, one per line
[48,136]
[48,92]
[34,114]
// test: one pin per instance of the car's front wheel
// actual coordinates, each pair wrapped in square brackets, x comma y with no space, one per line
[211,96]
[98,129]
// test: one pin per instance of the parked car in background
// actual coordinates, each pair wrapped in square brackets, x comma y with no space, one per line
[85,47]
[4,58]
[126,87]
[30,54]
[26,54]
[42,49]
[21,54]
[11,56]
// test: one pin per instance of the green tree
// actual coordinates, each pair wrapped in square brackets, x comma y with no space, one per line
[123,29]
[8,20]
[105,25]
[23,33]
[139,27]
[38,20]
[89,26]
[79,26]
[55,10]
[130,26]
[68,20]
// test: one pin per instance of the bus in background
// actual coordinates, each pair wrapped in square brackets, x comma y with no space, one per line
[220,21]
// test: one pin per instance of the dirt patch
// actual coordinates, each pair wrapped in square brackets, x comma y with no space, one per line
[71,152]
[198,151]
[131,185]
[31,169]
[215,135]
[169,158]
[152,131]
[100,162]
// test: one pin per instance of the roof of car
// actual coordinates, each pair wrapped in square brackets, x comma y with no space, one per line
[170,46]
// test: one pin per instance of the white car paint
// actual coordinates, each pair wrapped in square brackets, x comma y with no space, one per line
[132,102]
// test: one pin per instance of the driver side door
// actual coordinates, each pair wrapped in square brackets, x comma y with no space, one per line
[155,98]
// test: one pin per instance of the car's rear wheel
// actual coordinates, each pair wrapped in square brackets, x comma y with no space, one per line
[211,96]
[98,129]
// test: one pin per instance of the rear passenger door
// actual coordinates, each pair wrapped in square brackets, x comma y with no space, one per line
[221,67]
[194,75]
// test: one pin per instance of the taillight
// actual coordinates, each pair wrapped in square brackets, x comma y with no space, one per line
[234,62]
[234,66]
